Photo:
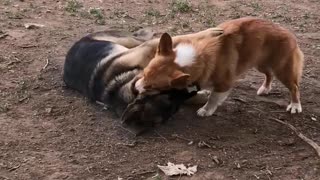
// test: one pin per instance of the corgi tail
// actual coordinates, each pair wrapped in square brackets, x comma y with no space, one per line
[298,58]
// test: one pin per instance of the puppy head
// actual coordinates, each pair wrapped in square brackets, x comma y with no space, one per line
[162,73]
[146,112]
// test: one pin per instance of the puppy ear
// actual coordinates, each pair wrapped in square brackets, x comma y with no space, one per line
[179,79]
[165,44]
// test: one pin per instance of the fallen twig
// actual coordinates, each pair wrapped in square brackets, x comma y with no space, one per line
[161,136]
[14,168]
[146,172]
[46,65]
[127,130]
[179,137]
[314,145]
[240,100]
[3,35]
[28,46]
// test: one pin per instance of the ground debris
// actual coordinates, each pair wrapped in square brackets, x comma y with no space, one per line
[3,35]
[33,25]
[203,144]
[178,169]
[216,160]
[313,144]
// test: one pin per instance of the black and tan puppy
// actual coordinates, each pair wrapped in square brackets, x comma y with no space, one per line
[104,67]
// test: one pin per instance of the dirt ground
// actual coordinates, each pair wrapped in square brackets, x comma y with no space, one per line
[50,132]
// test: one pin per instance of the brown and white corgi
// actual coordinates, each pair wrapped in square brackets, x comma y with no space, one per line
[217,62]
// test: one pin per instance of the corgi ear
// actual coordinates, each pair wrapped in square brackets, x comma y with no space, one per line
[179,79]
[165,44]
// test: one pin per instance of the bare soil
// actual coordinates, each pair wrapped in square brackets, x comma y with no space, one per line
[50,132]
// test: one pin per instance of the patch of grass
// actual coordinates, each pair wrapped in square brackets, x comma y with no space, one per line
[119,13]
[182,6]
[256,6]
[4,108]
[156,177]
[14,15]
[7,2]
[98,14]
[236,10]
[207,13]
[153,12]
[73,6]
[306,15]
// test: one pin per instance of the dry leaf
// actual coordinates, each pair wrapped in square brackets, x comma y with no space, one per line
[178,169]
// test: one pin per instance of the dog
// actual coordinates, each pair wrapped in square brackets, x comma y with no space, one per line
[104,66]
[217,62]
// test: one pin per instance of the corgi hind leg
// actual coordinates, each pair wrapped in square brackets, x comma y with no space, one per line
[265,88]
[290,75]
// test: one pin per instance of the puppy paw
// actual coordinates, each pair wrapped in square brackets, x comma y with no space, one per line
[294,108]
[263,90]
[203,112]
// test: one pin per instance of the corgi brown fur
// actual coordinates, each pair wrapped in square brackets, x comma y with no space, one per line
[218,61]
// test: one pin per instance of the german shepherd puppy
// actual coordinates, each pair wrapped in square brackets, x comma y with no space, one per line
[104,66]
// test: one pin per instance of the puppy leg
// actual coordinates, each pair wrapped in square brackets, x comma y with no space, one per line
[215,100]
[265,88]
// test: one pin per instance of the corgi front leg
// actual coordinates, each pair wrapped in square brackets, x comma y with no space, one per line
[215,99]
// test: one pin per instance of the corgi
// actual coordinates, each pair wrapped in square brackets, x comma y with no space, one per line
[104,67]
[217,62]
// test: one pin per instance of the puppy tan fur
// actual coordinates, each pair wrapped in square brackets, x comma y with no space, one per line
[217,62]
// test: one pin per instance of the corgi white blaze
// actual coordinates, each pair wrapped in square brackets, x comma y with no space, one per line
[185,55]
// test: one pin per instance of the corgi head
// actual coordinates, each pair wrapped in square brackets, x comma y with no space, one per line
[163,72]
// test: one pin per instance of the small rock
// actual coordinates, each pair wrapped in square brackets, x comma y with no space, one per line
[238,165]
[48,110]
[190,143]
[216,160]
[33,25]
[287,142]
[313,119]
[184,156]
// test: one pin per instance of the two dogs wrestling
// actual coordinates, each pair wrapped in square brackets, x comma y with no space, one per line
[146,79]
[105,66]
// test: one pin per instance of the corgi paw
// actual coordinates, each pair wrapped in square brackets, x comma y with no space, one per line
[204,93]
[263,90]
[294,108]
[203,112]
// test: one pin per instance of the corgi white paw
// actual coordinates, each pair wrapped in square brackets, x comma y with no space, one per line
[294,108]
[203,112]
[204,92]
[263,90]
